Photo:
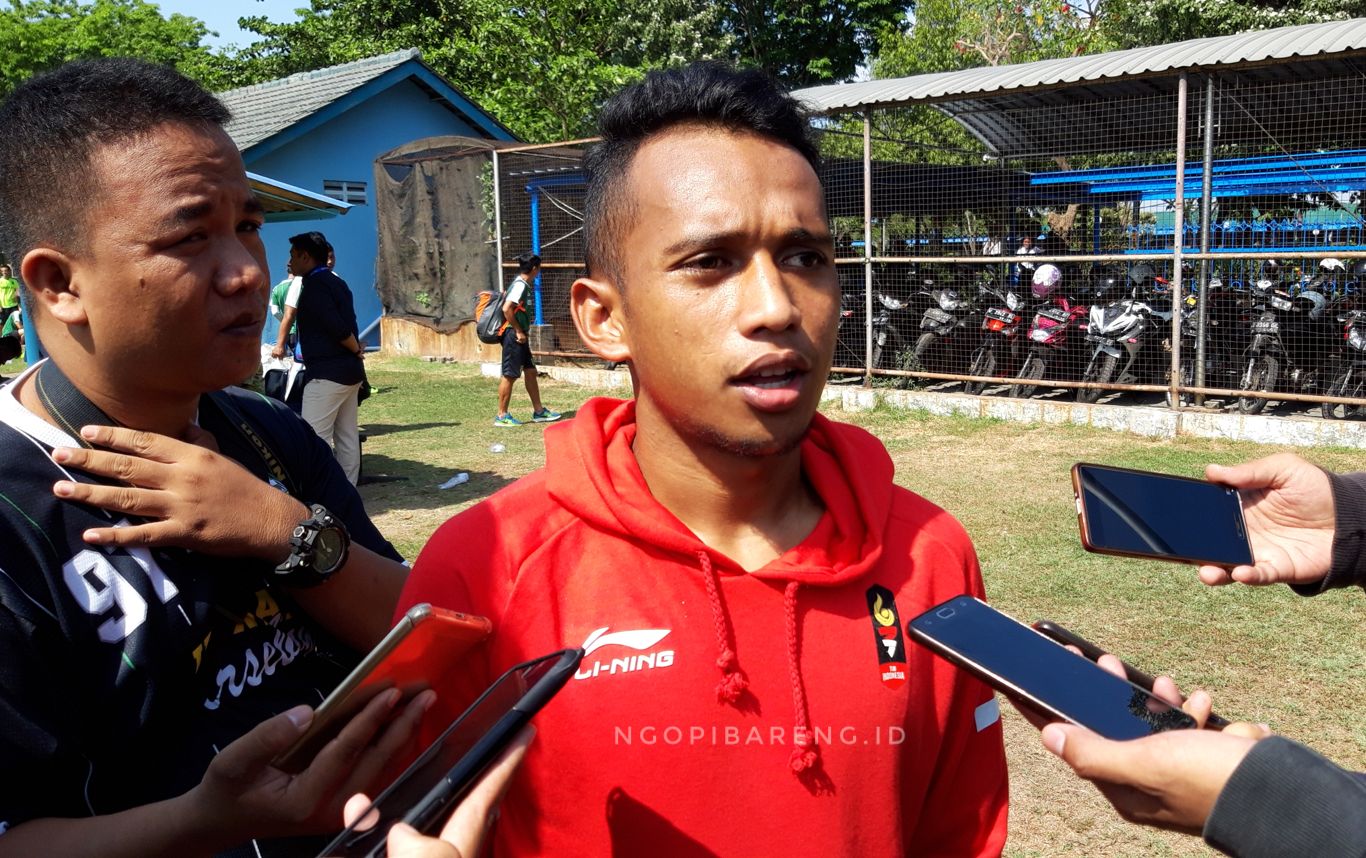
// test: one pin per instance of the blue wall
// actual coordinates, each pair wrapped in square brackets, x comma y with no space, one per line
[346,147]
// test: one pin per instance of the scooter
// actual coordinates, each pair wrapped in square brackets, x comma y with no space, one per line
[1351,380]
[1120,330]
[1000,345]
[943,326]
[1051,332]
[1289,345]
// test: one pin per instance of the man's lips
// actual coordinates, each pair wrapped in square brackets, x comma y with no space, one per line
[773,382]
[244,323]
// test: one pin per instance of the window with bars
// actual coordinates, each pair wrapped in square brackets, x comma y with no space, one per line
[347,192]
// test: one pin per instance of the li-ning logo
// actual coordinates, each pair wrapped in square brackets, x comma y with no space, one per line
[639,639]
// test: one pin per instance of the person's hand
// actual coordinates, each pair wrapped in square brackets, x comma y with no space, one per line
[1167,780]
[521,336]
[277,351]
[242,796]
[1288,505]
[192,496]
[464,832]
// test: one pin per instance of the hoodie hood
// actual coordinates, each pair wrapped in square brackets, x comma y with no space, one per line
[591,471]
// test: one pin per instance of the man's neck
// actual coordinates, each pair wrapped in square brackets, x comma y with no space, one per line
[170,416]
[750,508]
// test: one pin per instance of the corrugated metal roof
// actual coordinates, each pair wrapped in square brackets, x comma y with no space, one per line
[1284,43]
[283,201]
[263,110]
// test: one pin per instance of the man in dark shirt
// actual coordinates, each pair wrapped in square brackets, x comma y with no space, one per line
[327,338]
[165,622]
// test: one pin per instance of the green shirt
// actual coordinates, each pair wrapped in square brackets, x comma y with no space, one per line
[10,325]
[9,292]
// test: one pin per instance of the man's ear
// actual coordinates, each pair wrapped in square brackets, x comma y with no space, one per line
[48,275]
[599,314]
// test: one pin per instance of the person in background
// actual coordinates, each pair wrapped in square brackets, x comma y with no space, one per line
[328,342]
[284,302]
[9,293]
[517,362]
[1249,793]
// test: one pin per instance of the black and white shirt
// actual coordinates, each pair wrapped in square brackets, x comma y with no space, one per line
[122,672]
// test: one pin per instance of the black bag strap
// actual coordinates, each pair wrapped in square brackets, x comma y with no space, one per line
[71,410]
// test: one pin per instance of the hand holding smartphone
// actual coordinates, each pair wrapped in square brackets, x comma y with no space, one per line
[425,793]
[1036,672]
[1092,652]
[424,646]
[1143,514]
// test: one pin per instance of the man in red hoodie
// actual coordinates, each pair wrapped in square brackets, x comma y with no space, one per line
[737,568]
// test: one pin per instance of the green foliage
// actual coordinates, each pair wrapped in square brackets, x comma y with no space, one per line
[1135,23]
[39,35]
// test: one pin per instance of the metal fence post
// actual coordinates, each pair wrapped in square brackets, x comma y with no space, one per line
[1206,196]
[867,250]
[498,217]
[1178,238]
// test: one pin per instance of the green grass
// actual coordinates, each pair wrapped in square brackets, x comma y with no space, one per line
[1266,654]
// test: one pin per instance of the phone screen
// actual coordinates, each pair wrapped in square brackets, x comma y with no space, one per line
[1020,662]
[447,768]
[1159,515]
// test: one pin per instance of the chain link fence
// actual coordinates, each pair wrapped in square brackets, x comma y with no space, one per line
[1188,239]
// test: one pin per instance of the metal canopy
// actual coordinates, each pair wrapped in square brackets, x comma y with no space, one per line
[284,202]
[1045,107]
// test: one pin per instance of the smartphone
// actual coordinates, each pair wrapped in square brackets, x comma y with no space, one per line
[1143,680]
[1143,514]
[1033,670]
[428,789]
[422,648]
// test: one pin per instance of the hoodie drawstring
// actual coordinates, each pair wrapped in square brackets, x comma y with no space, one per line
[733,680]
[804,752]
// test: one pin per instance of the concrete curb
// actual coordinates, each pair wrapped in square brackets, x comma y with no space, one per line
[1146,420]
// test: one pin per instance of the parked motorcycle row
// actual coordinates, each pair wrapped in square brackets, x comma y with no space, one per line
[1114,326]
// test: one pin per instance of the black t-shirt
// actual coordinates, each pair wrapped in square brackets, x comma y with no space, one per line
[122,672]
[326,316]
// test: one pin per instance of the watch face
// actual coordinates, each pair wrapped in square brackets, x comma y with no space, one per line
[327,550]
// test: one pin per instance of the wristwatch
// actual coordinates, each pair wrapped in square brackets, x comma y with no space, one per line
[318,548]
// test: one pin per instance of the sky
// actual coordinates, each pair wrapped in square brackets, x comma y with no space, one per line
[222,15]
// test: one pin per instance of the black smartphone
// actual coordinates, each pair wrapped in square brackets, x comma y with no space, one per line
[1143,514]
[1033,670]
[1092,652]
[430,788]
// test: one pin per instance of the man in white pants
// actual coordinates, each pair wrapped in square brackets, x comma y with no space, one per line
[327,338]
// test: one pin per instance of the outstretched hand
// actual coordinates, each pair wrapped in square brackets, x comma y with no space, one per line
[190,495]
[1288,506]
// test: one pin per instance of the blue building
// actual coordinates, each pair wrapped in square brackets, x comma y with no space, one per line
[322,130]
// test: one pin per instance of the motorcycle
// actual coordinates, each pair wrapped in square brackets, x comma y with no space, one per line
[943,326]
[1351,380]
[1225,339]
[1000,342]
[1289,344]
[1050,332]
[1120,328]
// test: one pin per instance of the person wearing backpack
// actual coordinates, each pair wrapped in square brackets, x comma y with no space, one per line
[516,350]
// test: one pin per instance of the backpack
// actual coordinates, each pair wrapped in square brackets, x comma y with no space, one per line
[488,317]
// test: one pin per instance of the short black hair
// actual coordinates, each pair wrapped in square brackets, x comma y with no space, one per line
[527,263]
[705,93]
[313,243]
[54,122]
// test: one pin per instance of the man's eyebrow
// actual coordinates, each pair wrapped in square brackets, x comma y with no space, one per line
[703,240]
[186,215]
[253,205]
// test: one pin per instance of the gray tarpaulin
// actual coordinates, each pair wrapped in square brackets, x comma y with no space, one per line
[436,251]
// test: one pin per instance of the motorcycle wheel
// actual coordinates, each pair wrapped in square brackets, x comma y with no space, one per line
[983,364]
[1347,386]
[922,345]
[1260,374]
[1033,369]
[1100,371]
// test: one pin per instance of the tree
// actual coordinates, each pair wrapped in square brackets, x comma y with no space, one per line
[39,35]
[543,69]
[1138,23]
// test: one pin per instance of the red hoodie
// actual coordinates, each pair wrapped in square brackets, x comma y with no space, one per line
[720,711]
